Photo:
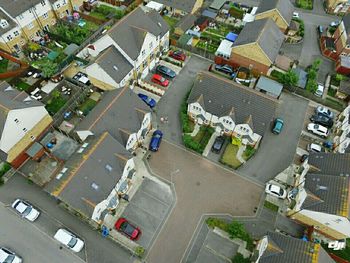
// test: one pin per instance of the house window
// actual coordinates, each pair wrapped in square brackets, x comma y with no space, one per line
[30,25]
[21,16]
[46,15]
[151,45]
[9,37]
[16,120]
[22,42]
[43,3]
[143,52]
[58,5]
[64,2]
[138,69]
[4,23]
[32,137]
[16,33]
[61,15]
[145,64]
[25,129]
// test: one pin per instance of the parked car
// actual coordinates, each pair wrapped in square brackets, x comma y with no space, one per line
[25,209]
[7,256]
[320,30]
[123,226]
[317,129]
[276,191]
[322,119]
[149,101]
[278,125]
[166,71]
[334,23]
[225,69]
[314,147]
[156,78]
[70,240]
[304,157]
[324,111]
[218,143]
[178,55]
[155,140]
[319,91]
[296,15]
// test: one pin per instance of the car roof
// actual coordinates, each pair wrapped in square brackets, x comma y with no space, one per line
[63,236]
[3,255]
[316,146]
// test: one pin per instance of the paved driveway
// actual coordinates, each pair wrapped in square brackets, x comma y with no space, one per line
[276,152]
[149,208]
[201,187]
[169,105]
[25,239]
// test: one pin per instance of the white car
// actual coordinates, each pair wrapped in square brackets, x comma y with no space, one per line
[25,209]
[313,147]
[69,240]
[334,23]
[7,256]
[295,15]
[317,129]
[324,111]
[276,191]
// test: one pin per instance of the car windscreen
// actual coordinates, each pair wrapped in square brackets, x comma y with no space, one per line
[27,211]
[72,242]
[9,259]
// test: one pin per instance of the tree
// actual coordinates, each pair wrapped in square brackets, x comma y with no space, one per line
[237,230]
[289,79]
[48,68]
[238,258]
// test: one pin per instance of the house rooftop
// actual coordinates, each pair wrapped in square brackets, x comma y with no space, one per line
[186,22]
[282,248]
[265,33]
[330,163]
[184,5]
[344,87]
[134,27]
[302,77]
[114,63]
[10,22]
[219,95]
[269,85]
[284,7]
[332,194]
[17,7]
[90,180]
[120,113]
[346,21]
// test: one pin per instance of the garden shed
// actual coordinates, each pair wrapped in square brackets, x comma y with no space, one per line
[269,87]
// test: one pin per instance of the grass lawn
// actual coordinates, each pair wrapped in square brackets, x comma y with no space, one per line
[200,141]
[229,157]
[345,253]
[87,106]
[334,103]
[55,104]
[171,22]
[21,85]
[248,153]
[305,4]
[331,92]
[207,46]
[3,65]
[271,206]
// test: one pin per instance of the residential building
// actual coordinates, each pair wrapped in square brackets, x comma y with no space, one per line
[145,37]
[325,207]
[256,47]
[230,108]
[181,7]
[269,87]
[330,163]
[185,23]
[93,185]
[342,132]
[280,11]
[123,114]
[343,92]
[23,122]
[342,65]
[337,6]
[276,247]
[27,20]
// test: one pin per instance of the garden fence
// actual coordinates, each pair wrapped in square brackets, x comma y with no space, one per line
[198,51]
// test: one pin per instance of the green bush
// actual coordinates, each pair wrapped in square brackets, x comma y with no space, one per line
[249,152]
[312,72]
[216,222]
[190,143]
[236,12]
[140,251]
[4,169]
[238,258]
[276,74]
[271,206]
[305,4]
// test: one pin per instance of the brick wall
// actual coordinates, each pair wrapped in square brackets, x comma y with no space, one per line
[256,67]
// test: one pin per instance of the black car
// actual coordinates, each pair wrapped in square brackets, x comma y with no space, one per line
[166,71]
[219,142]
[225,69]
[322,120]
[304,157]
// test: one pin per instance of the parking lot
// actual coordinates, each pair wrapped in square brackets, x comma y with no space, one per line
[148,209]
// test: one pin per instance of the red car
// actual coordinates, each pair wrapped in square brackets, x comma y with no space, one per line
[160,80]
[123,226]
[178,55]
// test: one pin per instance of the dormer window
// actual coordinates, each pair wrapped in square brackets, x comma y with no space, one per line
[143,52]
[4,23]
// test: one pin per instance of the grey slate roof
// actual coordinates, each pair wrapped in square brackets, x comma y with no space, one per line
[264,32]
[346,21]
[344,87]
[186,22]
[302,77]
[129,33]
[217,4]
[96,177]
[9,20]
[184,5]
[114,63]
[220,95]
[10,99]
[17,7]
[293,250]
[284,7]
[332,190]
[269,85]
[331,163]
[124,115]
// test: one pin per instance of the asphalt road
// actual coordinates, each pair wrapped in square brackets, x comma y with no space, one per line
[16,233]
[98,249]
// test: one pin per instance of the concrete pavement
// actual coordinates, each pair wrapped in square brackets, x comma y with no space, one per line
[98,249]
[16,233]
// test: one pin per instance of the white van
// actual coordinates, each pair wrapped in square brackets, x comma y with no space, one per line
[69,240]
[319,91]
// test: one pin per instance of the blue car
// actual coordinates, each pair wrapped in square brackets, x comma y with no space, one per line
[278,125]
[155,141]
[167,72]
[149,101]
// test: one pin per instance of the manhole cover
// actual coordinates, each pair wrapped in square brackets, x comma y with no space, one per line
[198,183]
